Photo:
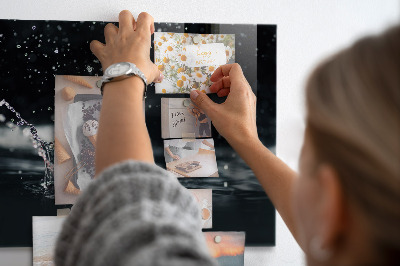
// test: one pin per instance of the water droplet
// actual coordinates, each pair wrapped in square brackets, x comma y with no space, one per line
[19,172]
[226,166]
[9,125]
[26,132]
[33,27]
[56,51]
[33,112]
[18,46]
[49,108]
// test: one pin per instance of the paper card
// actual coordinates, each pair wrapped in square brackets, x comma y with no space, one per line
[188,60]
[191,157]
[204,199]
[180,118]
[45,230]
[73,174]
[226,247]
[211,54]
[63,212]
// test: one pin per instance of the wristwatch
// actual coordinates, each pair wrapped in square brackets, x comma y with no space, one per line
[121,71]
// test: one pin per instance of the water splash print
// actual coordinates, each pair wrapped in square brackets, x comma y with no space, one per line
[44,149]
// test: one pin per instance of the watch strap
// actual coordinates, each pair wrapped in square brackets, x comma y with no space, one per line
[135,71]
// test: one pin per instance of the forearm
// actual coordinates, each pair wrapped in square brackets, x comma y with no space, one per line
[273,174]
[169,151]
[122,130]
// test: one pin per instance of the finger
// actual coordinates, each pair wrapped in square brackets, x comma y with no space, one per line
[126,21]
[144,23]
[223,92]
[97,48]
[201,100]
[227,70]
[110,31]
[225,82]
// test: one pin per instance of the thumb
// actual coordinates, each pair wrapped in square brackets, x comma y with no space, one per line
[157,75]
[202,101]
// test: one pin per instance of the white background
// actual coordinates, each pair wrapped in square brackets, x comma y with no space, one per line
[307,32]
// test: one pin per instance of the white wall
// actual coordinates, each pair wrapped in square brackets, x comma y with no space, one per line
[307,32]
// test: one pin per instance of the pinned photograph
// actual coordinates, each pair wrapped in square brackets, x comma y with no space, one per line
[191,157]
[45,230]
[77,112]
[204,199]
[226,247]
[180,118]
[188,60]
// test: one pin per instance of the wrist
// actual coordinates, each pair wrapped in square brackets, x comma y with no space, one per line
[241,141]
[133,85]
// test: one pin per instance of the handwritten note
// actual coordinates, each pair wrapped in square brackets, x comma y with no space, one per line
[177,118]
[205,55]
[180,121]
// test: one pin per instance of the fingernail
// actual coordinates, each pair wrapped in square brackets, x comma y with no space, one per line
[160,78]
[194,94]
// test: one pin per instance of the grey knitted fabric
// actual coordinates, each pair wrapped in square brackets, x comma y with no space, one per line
[134,213]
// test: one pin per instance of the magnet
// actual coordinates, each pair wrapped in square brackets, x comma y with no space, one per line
[187,102]
[196,39]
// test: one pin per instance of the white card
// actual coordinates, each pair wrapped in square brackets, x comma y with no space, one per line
[210,54]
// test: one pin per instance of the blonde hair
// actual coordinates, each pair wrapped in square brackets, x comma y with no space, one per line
[353,120]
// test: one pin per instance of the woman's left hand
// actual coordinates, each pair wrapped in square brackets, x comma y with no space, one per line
[129,43]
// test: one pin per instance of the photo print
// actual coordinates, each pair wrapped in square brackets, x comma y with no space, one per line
[45,230]
[191,157]
[204,199]
[188,60]
[180,118]
[226,247]
[77,111]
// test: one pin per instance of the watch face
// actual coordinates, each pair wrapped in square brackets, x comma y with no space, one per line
[117,69]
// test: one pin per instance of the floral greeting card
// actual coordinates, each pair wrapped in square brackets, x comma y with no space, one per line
[188,60]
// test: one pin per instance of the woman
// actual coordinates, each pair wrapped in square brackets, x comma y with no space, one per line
[343,208]
[201,117]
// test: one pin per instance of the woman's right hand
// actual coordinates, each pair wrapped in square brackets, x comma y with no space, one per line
[235,119]
[129,43]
